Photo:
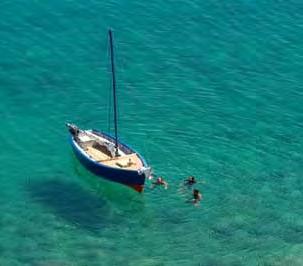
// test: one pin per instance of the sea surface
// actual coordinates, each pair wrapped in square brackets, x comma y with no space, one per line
[206,88]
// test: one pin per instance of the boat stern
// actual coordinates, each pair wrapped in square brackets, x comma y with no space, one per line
[146,171]
[138,188]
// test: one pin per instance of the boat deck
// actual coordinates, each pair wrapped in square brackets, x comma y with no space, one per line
[129,161]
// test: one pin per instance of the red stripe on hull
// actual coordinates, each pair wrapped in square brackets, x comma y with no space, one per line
[138,188]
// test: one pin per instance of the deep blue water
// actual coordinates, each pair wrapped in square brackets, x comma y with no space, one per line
[207,88]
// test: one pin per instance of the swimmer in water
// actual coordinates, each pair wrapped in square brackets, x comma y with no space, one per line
[191,180]
[197,196]
[160,182]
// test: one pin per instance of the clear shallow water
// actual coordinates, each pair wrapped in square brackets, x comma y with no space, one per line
[209,89]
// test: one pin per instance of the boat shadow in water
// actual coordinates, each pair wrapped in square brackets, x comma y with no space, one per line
[73,203]
[126,203]
[115,193]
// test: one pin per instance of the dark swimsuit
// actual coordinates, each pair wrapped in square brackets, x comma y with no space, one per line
[159,182]
[190,182]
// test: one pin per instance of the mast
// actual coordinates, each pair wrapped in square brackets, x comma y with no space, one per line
[114,89]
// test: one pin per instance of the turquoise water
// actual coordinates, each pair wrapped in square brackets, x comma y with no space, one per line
[207,88]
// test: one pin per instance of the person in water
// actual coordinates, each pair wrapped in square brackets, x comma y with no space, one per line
[191,180]
[197,196]
[160,182]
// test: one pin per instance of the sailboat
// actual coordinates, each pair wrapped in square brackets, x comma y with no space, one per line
[103,154]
